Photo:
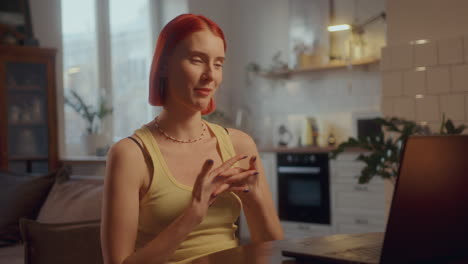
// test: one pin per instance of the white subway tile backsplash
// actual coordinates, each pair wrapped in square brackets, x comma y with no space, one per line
[438,80]
[402,57]
[427,109]
[425,54]
[392,84]
[386,60]
[435,83]
[404,107]
[460,77]
[414,82]
[387,106]
[450,50]
[453,106]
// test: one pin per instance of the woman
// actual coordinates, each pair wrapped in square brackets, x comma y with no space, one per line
[174,189]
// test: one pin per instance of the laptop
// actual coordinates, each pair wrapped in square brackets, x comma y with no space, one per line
[428,220]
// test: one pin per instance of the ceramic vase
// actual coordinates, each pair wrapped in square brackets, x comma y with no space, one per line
[92,142]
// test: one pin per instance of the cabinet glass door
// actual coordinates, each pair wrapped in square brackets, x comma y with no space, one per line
[27,117]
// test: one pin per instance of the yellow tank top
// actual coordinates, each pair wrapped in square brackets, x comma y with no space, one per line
[167,198]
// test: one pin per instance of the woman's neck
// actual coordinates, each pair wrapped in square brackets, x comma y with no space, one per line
[183,126]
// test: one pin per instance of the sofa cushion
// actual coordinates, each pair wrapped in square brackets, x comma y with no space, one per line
[70,243]
[21,196]
[12,254]
[73,200]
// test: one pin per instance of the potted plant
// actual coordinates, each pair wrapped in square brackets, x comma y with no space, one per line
[383,151]
[93,138]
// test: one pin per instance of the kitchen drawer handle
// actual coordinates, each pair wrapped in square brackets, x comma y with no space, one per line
[303,227]
[361,188]
[360,221]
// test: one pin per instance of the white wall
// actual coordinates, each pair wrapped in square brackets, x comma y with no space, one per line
[256,30]
[423,81]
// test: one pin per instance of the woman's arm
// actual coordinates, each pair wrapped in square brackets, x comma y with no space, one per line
[124,177]
[125,172]
[259,209]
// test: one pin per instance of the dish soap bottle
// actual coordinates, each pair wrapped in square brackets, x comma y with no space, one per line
[331,139]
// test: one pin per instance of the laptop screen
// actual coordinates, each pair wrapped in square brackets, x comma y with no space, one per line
[429,214]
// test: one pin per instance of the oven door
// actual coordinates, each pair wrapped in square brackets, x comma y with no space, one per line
[304,194]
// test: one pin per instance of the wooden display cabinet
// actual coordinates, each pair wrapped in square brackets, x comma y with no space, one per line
[28,116]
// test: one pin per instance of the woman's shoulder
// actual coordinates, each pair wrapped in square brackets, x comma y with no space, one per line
[126,150]
[241,141]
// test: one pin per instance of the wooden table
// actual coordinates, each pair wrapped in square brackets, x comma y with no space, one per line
[270,253]
[258,253]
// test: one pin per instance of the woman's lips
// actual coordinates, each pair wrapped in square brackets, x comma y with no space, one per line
[203,91]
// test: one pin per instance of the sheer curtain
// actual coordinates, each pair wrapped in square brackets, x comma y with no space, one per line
[117,65]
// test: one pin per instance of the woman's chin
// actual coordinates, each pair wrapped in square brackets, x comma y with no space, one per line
[202,104]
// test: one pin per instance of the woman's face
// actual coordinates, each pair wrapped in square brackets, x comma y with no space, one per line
[195,71]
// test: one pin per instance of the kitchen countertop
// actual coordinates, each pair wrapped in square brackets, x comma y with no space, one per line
[310,149]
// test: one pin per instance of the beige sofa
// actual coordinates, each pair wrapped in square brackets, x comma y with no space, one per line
[67,224]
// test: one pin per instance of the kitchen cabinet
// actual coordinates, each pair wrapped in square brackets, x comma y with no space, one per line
[269,164]
[28,121]
[356,208]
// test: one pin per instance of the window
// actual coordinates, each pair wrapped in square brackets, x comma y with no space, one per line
[116,67]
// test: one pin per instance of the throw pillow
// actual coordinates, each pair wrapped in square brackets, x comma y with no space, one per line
[70,243]
[21,196]
[73,201]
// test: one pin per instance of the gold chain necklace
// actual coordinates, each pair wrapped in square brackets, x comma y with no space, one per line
[156,124]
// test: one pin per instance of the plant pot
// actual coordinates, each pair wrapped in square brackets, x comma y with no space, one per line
[92,142]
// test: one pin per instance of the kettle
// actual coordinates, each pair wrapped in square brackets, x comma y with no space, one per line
[285,136]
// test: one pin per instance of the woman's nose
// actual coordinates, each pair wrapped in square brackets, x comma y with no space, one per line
[208,74]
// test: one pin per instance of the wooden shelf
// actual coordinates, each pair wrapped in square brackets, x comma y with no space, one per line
[334,65]
[83,159]
[21,158]
[28,124]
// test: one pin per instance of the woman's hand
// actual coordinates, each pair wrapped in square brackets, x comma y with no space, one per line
[211,182]
[239,182]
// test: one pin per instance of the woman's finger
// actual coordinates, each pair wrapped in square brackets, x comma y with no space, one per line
[222,188]
[229,172]
[227,164]
[253,164]
[241,176]
[241,188]
[201,177]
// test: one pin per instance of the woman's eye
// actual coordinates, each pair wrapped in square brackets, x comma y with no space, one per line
[196,61]
[218,65]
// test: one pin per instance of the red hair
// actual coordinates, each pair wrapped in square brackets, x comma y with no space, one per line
[176,30]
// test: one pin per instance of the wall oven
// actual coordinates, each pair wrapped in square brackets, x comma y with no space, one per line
[304,187]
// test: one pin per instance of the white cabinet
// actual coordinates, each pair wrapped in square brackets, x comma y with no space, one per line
[302,230]
[269,164]
[356,208]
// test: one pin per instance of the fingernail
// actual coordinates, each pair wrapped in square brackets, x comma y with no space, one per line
[246,190]
[210,162]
